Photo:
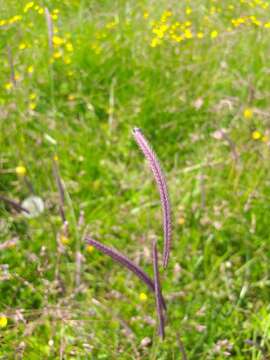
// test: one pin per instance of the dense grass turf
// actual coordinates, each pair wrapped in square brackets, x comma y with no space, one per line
[194,76]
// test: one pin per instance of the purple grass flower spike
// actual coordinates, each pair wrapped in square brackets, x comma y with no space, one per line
[158,292]
[123,260]
[17,206]
[162,187]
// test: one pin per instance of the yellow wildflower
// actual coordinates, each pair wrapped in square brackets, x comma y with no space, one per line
[3,321]
[248,113]
[20,170]
[213,10]
[90,248]
[177,38]
[64,240]
[57,55]
[14,19]
[143,297]
[166,14]
[57,40]
[55,158]
[71,97]
[111,25]
[188,34]
[16,76]
[54,16]
[55,11]
[255,21]
[32,96]
[161,30]
[214,34]
[28,6]
[41,11]
[267,25]
[256,135]
[3,22]
[155,42]
[8,85]
[188,11]
[258,23]
[146,15]
[22,46]
[181,221]
[96,47]
[69,47]
[30,69]
[67,60]
[32,105]
[200,35]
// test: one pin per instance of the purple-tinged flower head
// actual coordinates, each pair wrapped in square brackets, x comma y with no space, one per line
[158,292]
[162,187]
[126,262]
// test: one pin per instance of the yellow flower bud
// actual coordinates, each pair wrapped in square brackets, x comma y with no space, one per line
[248,113]
[30,69]
[32,96]
[256,135]
[143,297]
[20,170]
[57,41]
[214,34]
[181,221]
[90,249]
[8,86]
[32,106]
[3,321]
[64,240]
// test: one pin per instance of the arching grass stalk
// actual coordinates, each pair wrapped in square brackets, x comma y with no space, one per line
[14,204]
[162,187]
[126,262]
[60,189]
[158,293]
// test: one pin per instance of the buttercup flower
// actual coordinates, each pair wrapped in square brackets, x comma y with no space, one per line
[30,69]
[256,135]
[3,321]
[20,170]
[248,113]
[90,249]
[143,297]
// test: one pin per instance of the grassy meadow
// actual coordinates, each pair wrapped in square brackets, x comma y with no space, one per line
[76,77]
